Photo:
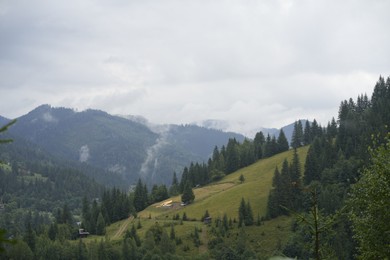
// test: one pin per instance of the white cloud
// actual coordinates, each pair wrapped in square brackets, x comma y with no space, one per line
[84,153]
[256,63]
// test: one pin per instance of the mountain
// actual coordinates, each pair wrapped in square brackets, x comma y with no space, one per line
[225,126]
[126,149]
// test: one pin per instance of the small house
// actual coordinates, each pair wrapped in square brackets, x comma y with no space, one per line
[83,233]
[207,220]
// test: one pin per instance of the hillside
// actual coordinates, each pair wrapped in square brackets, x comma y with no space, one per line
[127,149]
[220,198]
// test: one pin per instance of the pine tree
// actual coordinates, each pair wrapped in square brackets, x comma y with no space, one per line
[297,137]
[184,179]
[282,142]
[242,213]
[241,178]
[295,177]
[307,136]
[249,215]
[232,156]
[100,225]
[174,189]
[139,197]
[188,195]
[259,142]
[312,167]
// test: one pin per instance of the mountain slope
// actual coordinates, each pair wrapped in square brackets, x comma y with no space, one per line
[124,148]
[225,196]
[93,137]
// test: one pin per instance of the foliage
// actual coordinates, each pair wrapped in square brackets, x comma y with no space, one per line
[287,188]
[5,128]
[370,202]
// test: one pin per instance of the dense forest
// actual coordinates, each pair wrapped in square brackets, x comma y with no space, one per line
[339,201]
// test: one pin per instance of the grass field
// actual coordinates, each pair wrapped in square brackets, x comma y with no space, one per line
[225,196]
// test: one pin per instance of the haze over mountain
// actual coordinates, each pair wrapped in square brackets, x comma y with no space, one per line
[129,148]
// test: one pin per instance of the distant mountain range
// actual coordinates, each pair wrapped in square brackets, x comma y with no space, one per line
[225,126]
[124,147]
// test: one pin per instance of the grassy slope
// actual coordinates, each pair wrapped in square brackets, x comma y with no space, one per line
[225,195]
[219,198]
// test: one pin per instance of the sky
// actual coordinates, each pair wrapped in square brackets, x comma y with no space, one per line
[247,63]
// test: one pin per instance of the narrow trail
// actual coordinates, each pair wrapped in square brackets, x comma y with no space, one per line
[204,239]
[122,228]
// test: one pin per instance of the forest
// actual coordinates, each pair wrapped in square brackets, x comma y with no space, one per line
[338,201]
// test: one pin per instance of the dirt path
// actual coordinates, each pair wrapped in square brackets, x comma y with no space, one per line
[122,228]
[204,239]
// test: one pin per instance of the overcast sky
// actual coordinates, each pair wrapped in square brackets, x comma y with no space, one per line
[252,62]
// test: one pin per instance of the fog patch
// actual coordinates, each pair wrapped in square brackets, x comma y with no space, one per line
[84,153]
[150,164]
[48,117]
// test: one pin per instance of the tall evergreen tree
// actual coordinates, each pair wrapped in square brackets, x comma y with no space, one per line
[188,195]
[232,156]
[297,137]
[282,142]
[184,180]
[296,187]
[307,136]
[259,142]
[140,198]
[100,225]
[312,166]
[242,213]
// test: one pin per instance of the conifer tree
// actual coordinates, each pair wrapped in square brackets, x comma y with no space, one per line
[140,198]
[297,137]
[188,195]
[249,215]
[174,189]
[259,142]
[100,225]
[232,156]
[184,179]
[312,167]
[242,213]
[307,136]
[282,142]
[295,177]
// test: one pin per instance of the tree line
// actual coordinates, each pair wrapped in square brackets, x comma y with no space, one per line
[337,178]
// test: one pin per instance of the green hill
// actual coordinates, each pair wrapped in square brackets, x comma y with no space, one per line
[219,198]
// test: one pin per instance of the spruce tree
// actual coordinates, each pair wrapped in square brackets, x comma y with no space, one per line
[100,225]
[249,215]
[188,195]
[295,177]
[242,213]
[297,137]
[282,142]
[307,136]
[232,156]
[312,166]
[140,198]
[259,142]
[174,189]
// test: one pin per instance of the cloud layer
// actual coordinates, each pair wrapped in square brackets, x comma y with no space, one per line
[254,63]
